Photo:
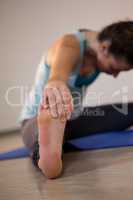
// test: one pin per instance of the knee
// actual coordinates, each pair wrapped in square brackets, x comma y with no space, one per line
[28,131]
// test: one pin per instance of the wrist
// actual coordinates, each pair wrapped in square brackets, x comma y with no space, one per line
[57,77]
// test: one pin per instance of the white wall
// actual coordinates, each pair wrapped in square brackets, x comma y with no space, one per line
[28,27]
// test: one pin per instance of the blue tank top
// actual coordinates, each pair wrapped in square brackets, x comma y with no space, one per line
[75,79]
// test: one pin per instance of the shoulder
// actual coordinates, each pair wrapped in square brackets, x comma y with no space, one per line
[68,39]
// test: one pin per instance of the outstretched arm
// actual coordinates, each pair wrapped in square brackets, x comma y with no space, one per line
[62,57]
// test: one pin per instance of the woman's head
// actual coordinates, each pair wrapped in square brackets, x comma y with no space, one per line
[115,51]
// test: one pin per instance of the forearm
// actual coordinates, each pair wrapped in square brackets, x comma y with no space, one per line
[64,59]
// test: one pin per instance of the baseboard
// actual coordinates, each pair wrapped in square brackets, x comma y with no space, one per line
[10,130]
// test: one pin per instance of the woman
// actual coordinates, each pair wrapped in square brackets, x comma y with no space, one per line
[53,113]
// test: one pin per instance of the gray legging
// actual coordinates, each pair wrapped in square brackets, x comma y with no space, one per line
[91,120]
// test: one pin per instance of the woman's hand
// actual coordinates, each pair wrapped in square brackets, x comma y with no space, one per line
[58,99]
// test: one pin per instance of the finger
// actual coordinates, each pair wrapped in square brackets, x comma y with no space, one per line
[67,101]
[52,102]
[67,97]
[59,103]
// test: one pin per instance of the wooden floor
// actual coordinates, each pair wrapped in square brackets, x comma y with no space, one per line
[90,175]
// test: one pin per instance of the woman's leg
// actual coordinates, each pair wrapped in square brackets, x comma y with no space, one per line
[43,136]
[91,120]
[99,119]
[29,131]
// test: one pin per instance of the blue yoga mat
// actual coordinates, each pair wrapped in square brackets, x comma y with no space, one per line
[16,153]
[94,141]
[104,140]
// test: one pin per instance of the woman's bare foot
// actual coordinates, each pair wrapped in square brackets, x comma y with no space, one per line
[51,133]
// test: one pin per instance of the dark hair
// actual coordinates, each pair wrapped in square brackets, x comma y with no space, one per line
[120,34]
